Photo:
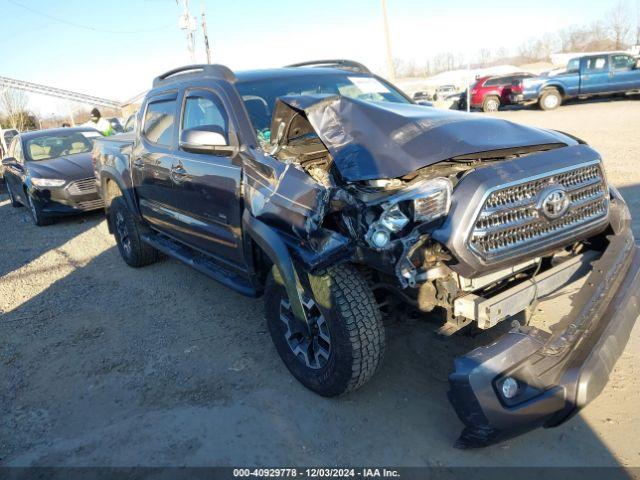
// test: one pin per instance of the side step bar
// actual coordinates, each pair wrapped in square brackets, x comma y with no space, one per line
[487,312]
[200,262]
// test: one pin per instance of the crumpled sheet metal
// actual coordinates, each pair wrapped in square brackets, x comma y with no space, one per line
[284,196]
[373,140]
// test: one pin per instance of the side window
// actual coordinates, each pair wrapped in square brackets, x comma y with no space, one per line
[16,148]
[573,65]
[159,122]
[491,82]
[204,109]
[597,63]
[622,62]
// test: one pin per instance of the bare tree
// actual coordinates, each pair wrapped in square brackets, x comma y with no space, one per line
[619,23]
[14,104]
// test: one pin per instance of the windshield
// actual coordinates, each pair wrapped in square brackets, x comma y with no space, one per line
[260,95]
[52,146]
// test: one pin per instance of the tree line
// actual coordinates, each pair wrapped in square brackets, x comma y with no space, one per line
[619,29]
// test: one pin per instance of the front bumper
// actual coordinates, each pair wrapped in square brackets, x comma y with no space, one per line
[57,201]
[557,373]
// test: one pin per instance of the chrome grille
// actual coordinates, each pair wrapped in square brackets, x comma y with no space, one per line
[91,204]
[82,187]
[512,220]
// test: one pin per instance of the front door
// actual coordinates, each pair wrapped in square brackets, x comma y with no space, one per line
[208,185]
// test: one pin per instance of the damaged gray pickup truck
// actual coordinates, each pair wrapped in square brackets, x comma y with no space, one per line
[324,188]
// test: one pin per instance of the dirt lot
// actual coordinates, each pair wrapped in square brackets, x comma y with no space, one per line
[105,365]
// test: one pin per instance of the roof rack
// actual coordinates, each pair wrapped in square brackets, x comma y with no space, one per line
[337,63]
[216,71]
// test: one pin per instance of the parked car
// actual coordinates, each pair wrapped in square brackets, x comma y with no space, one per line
[587,76]
[443,91]
[330,193]
[422,96]
[489,93]
[51,172]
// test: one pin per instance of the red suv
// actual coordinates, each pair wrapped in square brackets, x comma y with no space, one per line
[489,93]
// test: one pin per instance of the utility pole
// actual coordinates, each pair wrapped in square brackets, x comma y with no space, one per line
[390,65]
[469,84]
[204,33]
[188,23]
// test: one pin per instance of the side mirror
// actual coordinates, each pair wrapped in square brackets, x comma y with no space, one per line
[206,139]
[11,162]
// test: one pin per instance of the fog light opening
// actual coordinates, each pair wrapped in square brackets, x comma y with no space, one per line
[510,387]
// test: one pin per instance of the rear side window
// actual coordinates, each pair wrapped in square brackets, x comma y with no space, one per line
[204,109]
[622,62]
[16,150]
[159,121]
[492,82]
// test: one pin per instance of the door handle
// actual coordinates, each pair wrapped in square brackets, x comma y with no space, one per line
[178,173]
[139,162]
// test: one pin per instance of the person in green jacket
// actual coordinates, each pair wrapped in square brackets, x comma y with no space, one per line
[99,123]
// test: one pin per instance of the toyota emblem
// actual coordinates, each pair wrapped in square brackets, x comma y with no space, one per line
[554,203]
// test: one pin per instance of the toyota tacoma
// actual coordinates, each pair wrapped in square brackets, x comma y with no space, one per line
[325,189]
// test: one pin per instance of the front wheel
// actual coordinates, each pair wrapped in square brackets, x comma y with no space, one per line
[342,346]
[37,215]
[550,99]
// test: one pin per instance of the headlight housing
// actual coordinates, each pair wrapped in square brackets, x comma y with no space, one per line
[433,200]
[425,201]
[48,182]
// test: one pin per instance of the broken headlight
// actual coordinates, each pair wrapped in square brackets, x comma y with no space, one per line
[433,200]
[391,221]
[425,201]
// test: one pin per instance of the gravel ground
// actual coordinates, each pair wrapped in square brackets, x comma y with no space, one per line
[105,365]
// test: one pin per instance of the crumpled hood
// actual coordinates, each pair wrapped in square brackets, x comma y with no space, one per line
[388,140]
[69,167]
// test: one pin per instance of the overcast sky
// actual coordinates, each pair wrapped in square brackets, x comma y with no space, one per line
[113,48]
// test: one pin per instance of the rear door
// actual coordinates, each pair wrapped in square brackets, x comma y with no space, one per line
[208,185]
[623,74]
[152,158]
[594,75]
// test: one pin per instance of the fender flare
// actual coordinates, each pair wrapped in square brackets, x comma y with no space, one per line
[553,85]
[128,194]
[272,244]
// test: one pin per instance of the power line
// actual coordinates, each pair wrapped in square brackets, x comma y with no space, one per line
[85,27]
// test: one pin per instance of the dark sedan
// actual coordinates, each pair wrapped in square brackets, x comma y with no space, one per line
[51,172]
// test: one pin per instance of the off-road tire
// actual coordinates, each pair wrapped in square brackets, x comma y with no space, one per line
[12,198]
[544,103]
[491,104]
[35,210]
[355,325]
[133,250]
